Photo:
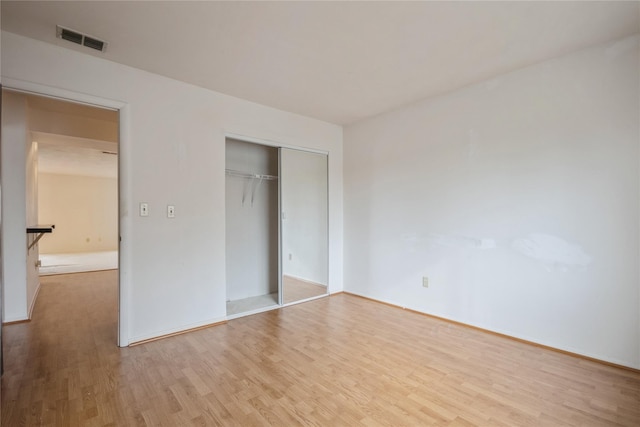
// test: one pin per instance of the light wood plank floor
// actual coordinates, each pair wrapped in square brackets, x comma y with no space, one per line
[336,361]
[297,289]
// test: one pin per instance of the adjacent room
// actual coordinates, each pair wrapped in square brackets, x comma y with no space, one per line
[77,185]
[322,213]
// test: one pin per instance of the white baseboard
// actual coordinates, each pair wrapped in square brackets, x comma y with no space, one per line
[33,301]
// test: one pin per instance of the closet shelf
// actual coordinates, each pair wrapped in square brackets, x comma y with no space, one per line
[242,174]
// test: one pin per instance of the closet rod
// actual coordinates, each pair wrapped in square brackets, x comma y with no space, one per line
[241,174]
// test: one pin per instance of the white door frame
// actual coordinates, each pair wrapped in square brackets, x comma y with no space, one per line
[124,185]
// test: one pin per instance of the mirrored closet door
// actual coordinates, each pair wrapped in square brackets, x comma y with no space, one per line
[276,226]
[304,224]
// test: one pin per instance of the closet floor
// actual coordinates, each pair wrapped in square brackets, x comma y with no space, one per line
[252,303]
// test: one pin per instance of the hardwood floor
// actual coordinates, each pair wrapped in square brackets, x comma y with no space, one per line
[336,361]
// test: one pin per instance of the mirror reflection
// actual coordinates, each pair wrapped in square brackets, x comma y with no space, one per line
[304,229]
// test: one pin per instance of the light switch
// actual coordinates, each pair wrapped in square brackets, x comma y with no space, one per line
[171,211]
[144,209]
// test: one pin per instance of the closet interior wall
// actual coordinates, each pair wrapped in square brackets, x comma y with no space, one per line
[252,221]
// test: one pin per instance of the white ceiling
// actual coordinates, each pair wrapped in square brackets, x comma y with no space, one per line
[70,154]
[335,61]
[66,155]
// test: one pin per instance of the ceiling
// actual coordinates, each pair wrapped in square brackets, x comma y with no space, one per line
[70,154]
[336,61]
[64,155]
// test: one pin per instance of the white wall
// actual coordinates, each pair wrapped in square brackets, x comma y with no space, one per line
[31,200]
[172,152]
[84,210]
[517,197]
[14,216]
[1,238]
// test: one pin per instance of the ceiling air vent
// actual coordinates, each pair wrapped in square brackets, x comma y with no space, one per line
[69,35]
[79,38]
[93,43]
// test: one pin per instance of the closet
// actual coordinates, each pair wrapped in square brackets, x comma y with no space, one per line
[276,226]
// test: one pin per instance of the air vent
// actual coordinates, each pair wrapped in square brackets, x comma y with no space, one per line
[79,38]
[71,36]
[93,43]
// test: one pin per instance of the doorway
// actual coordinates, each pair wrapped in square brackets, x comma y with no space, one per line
[72,175]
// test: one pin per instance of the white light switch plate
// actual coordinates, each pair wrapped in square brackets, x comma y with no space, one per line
[171,211]
[144,209]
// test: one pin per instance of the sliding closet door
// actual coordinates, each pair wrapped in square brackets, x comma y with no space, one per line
[304,224]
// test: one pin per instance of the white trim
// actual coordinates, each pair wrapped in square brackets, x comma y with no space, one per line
[54,92]
[124,185]
[15,319]
[271,143]
[172,331]
[125,226]
[33,301]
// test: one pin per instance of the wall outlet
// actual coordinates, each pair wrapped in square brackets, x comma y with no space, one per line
[425,282]
[171,211]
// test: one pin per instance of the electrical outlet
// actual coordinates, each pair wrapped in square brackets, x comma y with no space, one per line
[425,282]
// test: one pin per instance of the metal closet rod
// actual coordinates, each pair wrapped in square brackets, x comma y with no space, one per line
[242,174]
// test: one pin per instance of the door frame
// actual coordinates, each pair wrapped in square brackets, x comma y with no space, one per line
[124,186]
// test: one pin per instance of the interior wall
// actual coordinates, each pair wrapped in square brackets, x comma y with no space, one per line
[14,216]
[84,210]
[1,238]
[251,223]
[517,197]
[31,200]
[172,152]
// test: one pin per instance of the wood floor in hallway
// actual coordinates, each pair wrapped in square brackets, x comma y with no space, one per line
[336,361]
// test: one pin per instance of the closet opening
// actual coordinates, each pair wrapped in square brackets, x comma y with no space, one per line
[252,227]
[276,226]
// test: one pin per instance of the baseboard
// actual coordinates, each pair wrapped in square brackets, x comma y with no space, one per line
[511,337]
[172,334]
[33,301]
[15,322]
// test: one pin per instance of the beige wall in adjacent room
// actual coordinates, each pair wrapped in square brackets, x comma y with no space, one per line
[84,210]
